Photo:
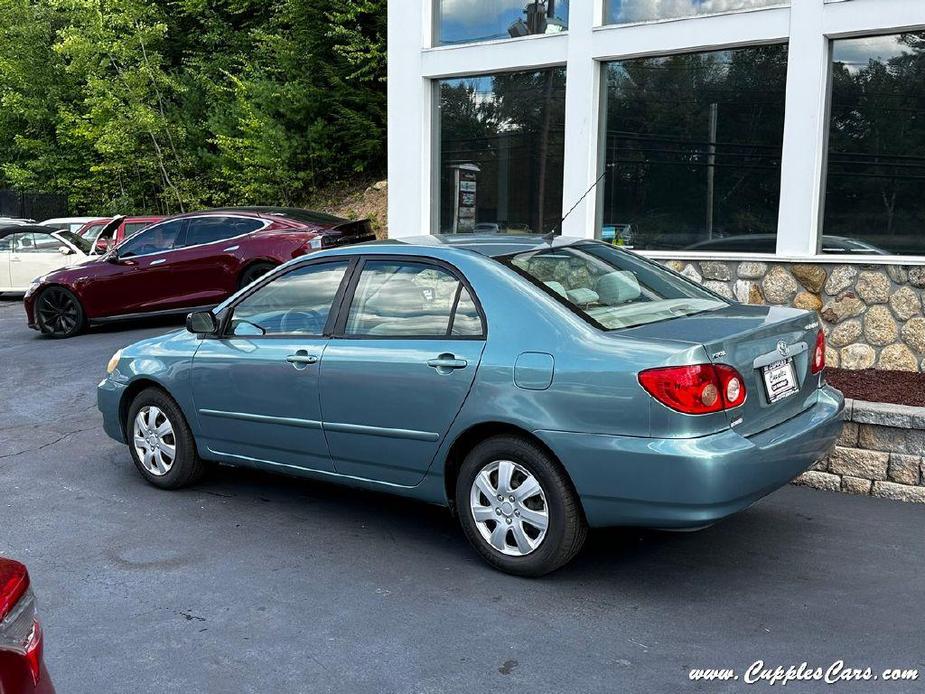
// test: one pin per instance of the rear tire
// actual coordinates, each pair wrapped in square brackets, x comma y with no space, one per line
[160,441]
[254,272]
[517,507]
[58,313]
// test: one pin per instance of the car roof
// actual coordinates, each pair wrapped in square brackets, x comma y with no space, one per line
[489,245]
[295,213]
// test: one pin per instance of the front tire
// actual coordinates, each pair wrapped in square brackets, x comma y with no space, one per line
[517,507]
[160,441]
[59,314]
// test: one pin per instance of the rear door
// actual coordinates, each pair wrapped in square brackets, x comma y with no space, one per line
[206,264]
[405,352]
[5,252]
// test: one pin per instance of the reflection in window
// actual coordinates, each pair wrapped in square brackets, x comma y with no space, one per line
[627,11]
[501,149]
[460,21]
[694,143]
[875,190]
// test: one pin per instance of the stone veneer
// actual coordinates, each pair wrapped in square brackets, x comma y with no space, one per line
[872,314]
[878,453]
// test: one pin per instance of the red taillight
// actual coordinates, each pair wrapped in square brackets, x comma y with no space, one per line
[19,628]
[819,353]
[695,389]
[14,582]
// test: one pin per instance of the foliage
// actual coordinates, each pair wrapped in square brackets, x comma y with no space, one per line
[134,106]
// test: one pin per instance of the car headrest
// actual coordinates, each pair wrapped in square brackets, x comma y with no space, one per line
[618,287]
[557,288]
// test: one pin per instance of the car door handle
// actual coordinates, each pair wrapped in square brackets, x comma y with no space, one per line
[14,259]
[446,363]
[157,262]
[301,359]
[230,248]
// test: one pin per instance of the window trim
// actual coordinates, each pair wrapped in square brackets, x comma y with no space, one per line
[326,332]
[350,294]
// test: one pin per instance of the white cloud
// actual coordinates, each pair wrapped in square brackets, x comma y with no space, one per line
[649,10]
[856,53]
[477,11]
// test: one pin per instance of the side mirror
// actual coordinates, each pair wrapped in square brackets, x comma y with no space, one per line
[64,250]
[202,323]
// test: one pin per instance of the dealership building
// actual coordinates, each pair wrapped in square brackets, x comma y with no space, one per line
[772,150]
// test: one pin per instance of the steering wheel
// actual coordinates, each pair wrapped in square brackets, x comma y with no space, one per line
[306,321]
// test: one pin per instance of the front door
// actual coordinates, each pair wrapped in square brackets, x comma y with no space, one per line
[33,254]
[256,388]
[399,368]
[137,278]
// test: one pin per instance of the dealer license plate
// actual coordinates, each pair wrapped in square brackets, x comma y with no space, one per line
[780,380]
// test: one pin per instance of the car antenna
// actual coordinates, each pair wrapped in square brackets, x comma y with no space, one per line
[548,238]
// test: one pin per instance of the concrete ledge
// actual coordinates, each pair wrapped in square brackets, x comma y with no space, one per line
[879,453]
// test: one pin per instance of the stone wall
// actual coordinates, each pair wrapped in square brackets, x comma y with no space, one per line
[879,453]
[872,314]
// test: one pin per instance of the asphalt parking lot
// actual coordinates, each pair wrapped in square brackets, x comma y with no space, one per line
[257,583]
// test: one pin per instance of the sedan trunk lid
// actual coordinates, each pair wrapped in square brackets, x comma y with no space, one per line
[750,339]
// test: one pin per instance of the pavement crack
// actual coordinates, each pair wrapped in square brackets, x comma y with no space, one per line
[46,444]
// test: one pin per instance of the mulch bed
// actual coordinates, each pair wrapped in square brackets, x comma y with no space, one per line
[874,385]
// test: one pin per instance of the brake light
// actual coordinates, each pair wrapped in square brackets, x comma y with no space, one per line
[695,389]
[819,353]
[19,629]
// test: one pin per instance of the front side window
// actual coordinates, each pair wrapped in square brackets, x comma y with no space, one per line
[693,148]
[501,152]
[463,21]
[410,299]
[156,239]
[40,243]
[297,303]
[609,288]
[875,184]
[629,11]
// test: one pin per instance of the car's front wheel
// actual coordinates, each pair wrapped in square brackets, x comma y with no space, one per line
[517,507]
[58,313]
[161,442]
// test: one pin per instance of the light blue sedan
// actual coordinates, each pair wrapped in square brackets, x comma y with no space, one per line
[535,387]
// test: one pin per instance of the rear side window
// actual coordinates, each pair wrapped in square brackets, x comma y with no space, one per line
[609,288]
[203,230]
[411,300]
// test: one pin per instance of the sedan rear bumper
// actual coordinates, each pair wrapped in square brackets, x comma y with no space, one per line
[687,483]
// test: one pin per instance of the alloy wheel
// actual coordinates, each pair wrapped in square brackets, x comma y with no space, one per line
[58,311]
[509,507]
[154,440]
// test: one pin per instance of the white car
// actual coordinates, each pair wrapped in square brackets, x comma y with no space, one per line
[30,251]
[69,223]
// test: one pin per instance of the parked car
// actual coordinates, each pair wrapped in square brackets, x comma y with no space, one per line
[22,667]
[767,243]
[191,260]
[29,251]
[74,224]
[6,221]
[111,231]
[535,387]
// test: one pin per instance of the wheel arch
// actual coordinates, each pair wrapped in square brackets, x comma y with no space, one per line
[471,437]
[131,392]
[243,270]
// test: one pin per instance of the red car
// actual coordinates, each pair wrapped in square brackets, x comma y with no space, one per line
[22,668]
[114,234]
[184,263]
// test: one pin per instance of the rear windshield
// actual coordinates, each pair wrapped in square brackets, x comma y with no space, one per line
[610,288]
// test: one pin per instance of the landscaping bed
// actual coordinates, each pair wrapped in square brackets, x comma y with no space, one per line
[877,385]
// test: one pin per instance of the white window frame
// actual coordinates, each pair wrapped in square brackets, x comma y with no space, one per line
[808,26]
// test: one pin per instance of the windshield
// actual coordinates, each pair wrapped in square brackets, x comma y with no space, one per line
[610,288]
[75,240]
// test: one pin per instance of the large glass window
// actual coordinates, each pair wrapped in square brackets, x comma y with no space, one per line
[693,148]
[501,149]
[628,11]
[461,21]
[875,191]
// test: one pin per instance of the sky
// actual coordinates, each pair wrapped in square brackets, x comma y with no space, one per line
[857,53]
[625,11]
